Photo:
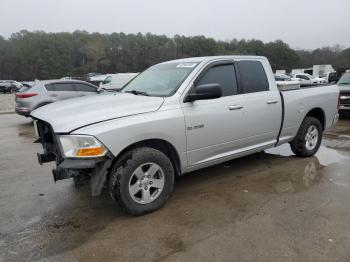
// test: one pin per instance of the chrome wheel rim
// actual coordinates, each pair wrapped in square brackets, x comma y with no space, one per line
[146,183]
[311,137]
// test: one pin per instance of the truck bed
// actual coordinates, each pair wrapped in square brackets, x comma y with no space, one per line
[297,102]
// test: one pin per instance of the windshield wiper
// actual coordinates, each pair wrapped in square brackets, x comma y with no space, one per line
[136,92]
[344,84]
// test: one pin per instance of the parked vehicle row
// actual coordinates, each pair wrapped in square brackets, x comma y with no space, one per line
[282,77]
[9,86]
[176,117]
[307,79]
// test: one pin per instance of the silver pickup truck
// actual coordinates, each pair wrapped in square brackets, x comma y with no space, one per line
[176,117]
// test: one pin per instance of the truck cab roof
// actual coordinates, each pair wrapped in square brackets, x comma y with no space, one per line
[213,58]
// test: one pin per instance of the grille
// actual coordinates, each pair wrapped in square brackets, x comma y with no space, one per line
[345,101]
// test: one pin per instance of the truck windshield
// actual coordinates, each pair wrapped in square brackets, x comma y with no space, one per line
[345,79]
[160,80]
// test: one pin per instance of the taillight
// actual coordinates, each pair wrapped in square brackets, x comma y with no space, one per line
[25,95]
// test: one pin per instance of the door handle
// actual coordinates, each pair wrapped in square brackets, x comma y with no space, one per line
[235,107]
[54,95]
[269,102]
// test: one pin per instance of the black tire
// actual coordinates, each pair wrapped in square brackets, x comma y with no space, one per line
[123,169]
[342,115]
[298,145]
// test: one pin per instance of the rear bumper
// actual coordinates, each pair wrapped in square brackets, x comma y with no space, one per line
[23,111]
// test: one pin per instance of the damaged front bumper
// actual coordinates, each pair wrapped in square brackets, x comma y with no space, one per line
[96,169]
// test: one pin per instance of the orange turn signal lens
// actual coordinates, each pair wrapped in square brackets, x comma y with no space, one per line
[93,151]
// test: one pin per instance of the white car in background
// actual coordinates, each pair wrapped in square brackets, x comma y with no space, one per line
[307,79]
[97,78]
[117,81]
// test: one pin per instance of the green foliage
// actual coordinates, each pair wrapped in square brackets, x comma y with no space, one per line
[336,56]
[29,55]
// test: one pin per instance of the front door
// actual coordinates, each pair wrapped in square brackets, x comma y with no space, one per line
[215,128]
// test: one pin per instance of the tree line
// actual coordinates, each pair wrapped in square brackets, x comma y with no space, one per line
[39,55]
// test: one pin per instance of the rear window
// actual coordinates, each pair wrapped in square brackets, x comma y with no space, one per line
[24,89]
[59,87]
[253,76]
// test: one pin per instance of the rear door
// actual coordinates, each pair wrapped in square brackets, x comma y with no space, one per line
[263,112]
[61,91]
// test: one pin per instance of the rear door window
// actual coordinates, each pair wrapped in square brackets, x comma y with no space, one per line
[60,87]
[223,75]
[84,87]
[50,87]
[253,76]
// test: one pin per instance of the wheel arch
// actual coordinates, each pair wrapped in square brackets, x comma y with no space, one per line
[319,114]
[160,144]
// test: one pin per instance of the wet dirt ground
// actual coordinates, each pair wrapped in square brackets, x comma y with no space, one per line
[270,206]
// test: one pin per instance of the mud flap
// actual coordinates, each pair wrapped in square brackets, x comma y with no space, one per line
[99,176]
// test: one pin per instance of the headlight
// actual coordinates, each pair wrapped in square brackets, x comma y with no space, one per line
[81,146]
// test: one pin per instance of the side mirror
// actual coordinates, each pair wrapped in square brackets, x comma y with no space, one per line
[207,91]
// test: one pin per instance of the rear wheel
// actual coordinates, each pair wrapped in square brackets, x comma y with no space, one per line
[308,139]
[142,180]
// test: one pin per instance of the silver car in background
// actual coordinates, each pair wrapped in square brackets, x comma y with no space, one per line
[49,91]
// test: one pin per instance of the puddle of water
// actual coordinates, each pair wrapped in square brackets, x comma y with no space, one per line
[326,156]
[283,150]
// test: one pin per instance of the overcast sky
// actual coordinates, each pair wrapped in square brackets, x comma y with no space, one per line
[301,23]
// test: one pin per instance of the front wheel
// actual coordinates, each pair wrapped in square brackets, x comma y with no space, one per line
[142,180]
[308,139]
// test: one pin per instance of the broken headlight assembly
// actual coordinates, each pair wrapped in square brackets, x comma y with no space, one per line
[81,146]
